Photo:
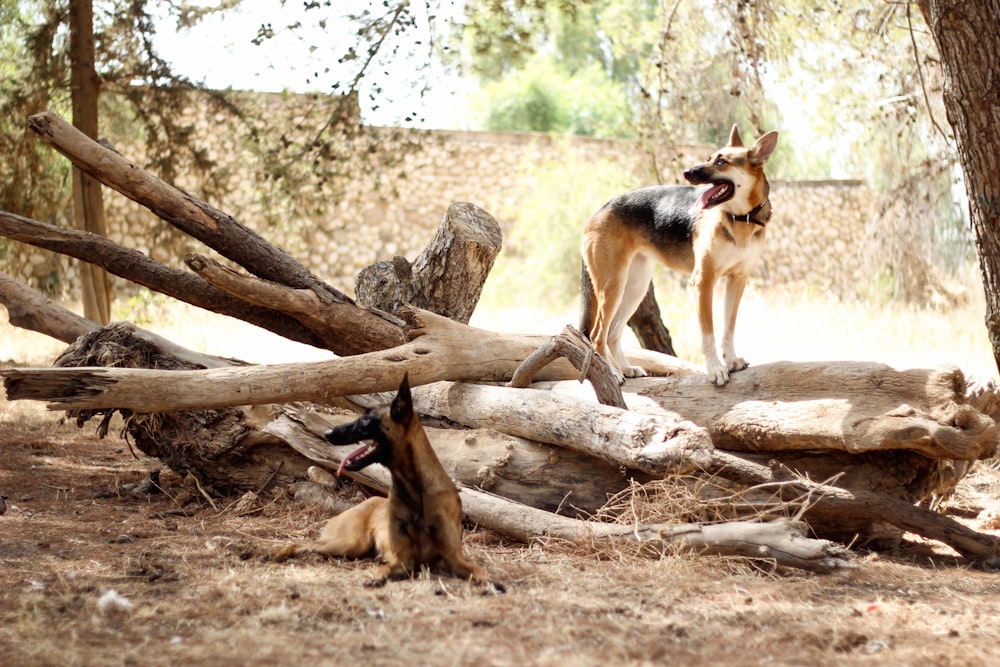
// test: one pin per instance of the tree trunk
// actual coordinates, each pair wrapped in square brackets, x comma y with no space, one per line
[88,205]
[648,326]
[967,38]
[447,277]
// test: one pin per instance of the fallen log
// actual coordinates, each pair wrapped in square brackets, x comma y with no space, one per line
[858,503]
[440,350]
[783,542]
[28,308]
[836,405]
[365,330]
[533,474]
[182,210]
[650,443]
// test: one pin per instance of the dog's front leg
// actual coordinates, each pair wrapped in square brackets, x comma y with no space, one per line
[734,293]
[704,278]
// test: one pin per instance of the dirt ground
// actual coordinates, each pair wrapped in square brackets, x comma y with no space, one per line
[94,573]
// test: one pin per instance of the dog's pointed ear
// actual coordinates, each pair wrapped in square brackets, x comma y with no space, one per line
[402,406]
[763,148]
[734,138]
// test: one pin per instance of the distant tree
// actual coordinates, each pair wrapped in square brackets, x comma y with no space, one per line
[558,67]
[543,96]
[88,203]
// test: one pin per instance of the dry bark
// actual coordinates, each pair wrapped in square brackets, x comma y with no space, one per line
[783,542]
[343,326]
[647,325]
[839,405]
[224,449]
[447,277]
[440,350]
[182,210]
[142,270]
[572,346]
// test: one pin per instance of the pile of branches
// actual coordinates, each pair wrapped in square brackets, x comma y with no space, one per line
[534,428]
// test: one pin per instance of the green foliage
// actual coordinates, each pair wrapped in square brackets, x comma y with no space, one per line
[544,97]
[545,241]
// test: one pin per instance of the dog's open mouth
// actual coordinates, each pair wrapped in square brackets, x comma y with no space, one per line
[360,458]
[720,192]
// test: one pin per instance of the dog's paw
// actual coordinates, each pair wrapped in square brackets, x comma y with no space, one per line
[634,372]
[738,364]
[717,374]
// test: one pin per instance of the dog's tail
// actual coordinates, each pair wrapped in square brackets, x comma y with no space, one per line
[588,302]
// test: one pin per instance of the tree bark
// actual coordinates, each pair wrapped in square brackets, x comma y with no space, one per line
[447,277]
[141,270]
[647,324]
[847,406]
[441,349]
[182,210]
[968,40]
[88,205]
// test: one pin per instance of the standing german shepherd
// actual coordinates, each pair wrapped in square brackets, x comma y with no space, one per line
[711,233]
[420,523]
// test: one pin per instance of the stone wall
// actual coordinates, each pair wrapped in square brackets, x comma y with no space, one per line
[813,237]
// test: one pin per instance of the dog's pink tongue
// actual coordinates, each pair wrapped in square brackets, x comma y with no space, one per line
[706,197]
[699,205]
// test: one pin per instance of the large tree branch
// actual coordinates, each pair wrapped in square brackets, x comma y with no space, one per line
[441,349]
[182,210]
[346,327]
[142,270]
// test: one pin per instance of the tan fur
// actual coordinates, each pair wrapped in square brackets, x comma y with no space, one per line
[418,524]
[618,257]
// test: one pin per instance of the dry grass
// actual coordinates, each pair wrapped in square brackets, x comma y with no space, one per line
[201,594]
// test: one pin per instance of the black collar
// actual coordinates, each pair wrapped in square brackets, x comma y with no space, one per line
[751,217]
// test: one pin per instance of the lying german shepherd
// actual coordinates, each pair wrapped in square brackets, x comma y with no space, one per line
[711,233]
[419,524]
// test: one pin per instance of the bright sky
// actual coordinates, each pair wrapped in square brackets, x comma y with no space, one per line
[220,52]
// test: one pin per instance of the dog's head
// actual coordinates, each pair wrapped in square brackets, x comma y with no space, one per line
[380,429]
[735,173]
